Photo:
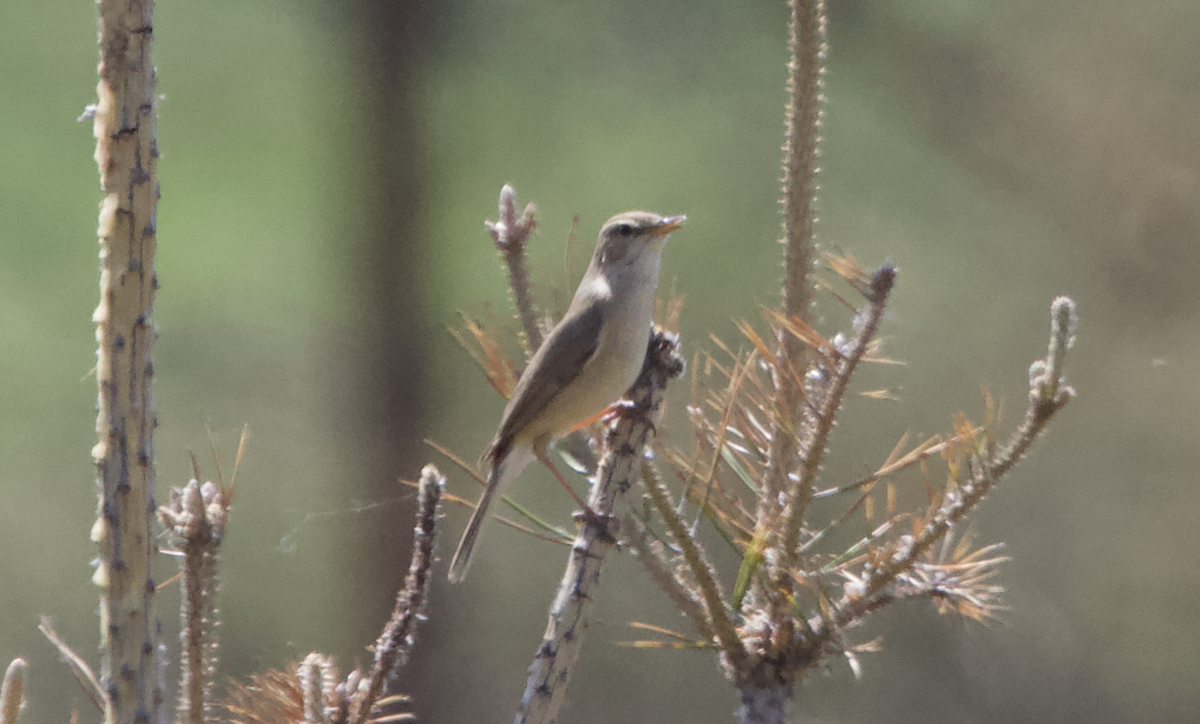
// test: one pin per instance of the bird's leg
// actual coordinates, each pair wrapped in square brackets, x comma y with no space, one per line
[627,410]
[588,515]
[541,456]
[620,409]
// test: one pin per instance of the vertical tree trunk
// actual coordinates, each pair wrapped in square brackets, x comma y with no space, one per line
[127,154]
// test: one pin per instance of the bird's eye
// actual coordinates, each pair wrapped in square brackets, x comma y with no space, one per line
[624,230]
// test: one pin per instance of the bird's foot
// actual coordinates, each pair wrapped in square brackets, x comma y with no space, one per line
[604,524]
[627,410]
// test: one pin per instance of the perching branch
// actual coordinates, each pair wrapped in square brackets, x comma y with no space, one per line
[624,442]
[127,154]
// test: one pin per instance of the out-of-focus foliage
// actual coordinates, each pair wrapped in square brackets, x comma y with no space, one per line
[1000,153]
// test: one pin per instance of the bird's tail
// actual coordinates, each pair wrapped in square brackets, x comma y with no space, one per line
[502,473]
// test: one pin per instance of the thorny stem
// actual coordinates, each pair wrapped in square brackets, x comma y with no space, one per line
[318,682]
[392,648]
[842,371]
[715,605]
[196,516]
[127,155]
[511,235]
[802,120]
[652,557]
[570,614]
[1047,395]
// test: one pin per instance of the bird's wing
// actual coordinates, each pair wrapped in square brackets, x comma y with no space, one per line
[561,358]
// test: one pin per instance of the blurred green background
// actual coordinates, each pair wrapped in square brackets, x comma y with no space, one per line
[1000,153]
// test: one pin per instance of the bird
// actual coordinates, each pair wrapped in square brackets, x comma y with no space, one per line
[589,359]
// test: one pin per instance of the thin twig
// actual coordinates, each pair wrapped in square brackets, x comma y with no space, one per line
[196,516]
[717,610]
[1048,394]
[881,285]
[76,663]
[511,234]
[394,644]
[650,554]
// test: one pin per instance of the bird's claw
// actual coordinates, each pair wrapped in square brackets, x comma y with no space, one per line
[606,525]
[627,410]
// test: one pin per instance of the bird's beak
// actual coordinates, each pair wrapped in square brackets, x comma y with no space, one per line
[669,224]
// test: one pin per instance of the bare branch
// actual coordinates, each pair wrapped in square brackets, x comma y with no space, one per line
[127,154]
[196,517]
[625,440]
[511,235]
[802,119]
[394,644]
[76,663]
[1048,392]
[842,371]
[716,608]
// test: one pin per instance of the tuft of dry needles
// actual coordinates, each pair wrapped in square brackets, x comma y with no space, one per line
[794,601]
[762,415]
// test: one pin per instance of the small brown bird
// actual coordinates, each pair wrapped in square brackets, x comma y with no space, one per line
[587,362]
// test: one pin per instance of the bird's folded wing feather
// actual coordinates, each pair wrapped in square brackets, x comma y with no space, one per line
[561,358]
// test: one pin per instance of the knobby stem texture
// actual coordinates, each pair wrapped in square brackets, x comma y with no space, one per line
[127,155]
